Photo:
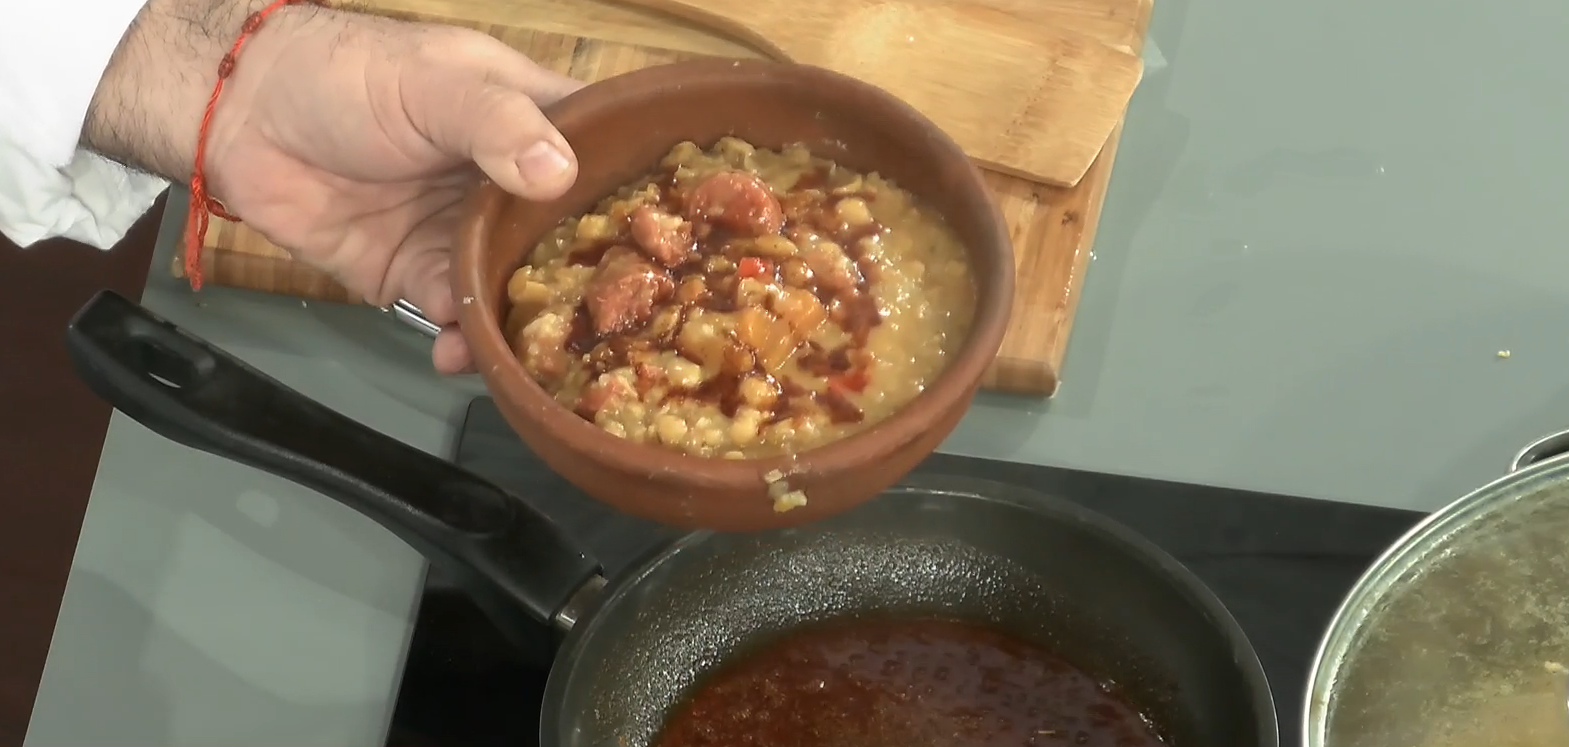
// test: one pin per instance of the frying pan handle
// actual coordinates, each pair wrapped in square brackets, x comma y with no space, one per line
[521,568]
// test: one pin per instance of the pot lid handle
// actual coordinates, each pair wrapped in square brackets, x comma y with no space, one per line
[1541,450]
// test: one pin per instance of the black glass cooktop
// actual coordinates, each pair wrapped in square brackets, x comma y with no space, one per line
[1280,564]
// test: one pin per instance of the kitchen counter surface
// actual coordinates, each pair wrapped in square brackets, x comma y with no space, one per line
[1327,224]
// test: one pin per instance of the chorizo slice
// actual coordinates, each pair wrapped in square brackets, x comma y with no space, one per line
[738,201]
[624,290]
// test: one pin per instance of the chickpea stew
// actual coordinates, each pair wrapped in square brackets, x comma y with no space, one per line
[743,303]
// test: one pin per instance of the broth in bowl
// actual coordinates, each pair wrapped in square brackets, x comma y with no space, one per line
[740,302]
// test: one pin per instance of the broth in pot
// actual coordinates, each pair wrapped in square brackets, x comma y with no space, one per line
[1457,636]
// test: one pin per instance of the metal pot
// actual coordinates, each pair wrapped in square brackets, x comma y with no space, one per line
[1458,635]
[1043,569]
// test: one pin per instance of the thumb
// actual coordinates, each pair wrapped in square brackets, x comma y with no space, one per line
[499,128]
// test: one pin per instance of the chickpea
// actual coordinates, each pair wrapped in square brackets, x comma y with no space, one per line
[872,248]
[796,154]
[692,291]
[684,153]
[634,414]
[670,429]
[758,392]
[665,322]
[744,429]
[854,212]
[751,292]
[601,356]
[805,428]
[802,236]
[621,210]
[703,339]
[789,501]
[850,185]
[594,227]
[795,273]
[737,359]
[774,246]
[524,290]
[734,150]
[779,433]
[683,373]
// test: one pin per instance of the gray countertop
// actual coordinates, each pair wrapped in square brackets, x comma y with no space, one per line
[1327,220]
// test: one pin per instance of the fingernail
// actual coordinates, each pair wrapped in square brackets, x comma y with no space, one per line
[542,162]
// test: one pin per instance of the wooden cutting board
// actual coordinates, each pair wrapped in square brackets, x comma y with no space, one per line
[1053,228]
[1003,100]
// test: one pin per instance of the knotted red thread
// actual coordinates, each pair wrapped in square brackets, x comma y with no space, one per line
[203,205]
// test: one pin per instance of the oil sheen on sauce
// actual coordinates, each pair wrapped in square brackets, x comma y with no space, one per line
[904,683]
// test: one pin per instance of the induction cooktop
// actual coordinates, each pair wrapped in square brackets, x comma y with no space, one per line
[1280,564]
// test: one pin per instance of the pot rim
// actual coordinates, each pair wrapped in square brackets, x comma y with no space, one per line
[1542,461]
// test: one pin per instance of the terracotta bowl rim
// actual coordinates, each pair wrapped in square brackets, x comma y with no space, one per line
[508,381]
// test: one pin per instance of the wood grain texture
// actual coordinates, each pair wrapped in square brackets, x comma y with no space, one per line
[1053,228]
[1029,99]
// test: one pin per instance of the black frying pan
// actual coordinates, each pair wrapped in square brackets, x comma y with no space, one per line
[1043,569]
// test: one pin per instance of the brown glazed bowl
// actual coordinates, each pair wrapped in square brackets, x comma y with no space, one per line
[620,128]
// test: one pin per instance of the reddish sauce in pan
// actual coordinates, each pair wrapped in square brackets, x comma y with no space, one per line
[904,683]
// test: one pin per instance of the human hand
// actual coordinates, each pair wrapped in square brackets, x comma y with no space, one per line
[351,140]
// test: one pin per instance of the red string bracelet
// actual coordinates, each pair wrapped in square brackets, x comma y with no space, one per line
[201,204]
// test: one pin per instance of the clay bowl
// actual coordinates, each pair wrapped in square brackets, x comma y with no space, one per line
[620,128]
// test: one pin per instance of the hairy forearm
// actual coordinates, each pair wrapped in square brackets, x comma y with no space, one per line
[147,110]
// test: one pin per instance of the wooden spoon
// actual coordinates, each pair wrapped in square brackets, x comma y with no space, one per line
[1022,99]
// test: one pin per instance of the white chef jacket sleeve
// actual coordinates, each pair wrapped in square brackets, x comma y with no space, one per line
[52,55]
